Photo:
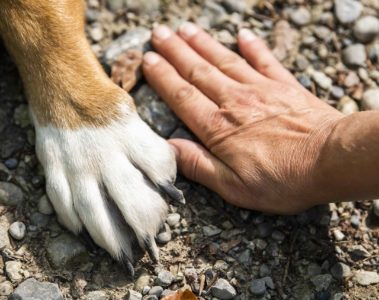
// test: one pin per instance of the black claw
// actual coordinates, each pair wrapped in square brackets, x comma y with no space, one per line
[87,241]
[129,266]
[174,193]
[152,249]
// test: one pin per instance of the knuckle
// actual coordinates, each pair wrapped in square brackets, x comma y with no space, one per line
[199,72]
[184,93]
[229,62]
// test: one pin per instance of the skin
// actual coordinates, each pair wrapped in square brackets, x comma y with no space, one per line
[267,143]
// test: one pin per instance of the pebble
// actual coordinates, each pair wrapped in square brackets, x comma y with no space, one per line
[322,80]
[321,282]
[347,106]
[264,230]
[338,235]
[133,295]
[17,230]
[13,270]
[11,163]
[245,257]
[66,251]
[215,13]
[156,290]
[366,29]
[223,290]
[191,275]
[173,219]
[370,100]
[278,236]
[337,92]
[354,55]
[136,38]
[96,295]
[96,33]
[366,277]
[6,288]
[44,206]
[355,221]
[143,7]
[347,11]
[305,81]
[269,282]
[238,6]
[165,278]
[257,287]
[351,79]
[150,297]
[211,230]
[340,271]
[300,16]
[10,194]
[376,207]
[39,220]
[165,236]
[358,252]
[264,270]
[21,116]
[32,289]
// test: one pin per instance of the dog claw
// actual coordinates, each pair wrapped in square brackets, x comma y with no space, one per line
[129,266]
[87,241]
[174,193]
[152,249]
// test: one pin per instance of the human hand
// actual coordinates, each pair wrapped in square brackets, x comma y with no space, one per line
[262,131]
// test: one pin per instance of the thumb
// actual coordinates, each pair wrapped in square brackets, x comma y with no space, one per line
[198,164]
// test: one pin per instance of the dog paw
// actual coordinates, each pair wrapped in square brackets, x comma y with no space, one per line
[108,180]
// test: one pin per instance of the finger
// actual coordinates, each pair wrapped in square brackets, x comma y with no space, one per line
[199,165]
[261,58]
[185,100]
[190,65]
[218,55]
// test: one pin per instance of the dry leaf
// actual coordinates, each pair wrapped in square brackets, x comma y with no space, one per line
[181,295]
[126,69]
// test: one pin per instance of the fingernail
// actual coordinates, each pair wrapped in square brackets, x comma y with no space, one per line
[246,35]
[151,58]
[188,29]
[162,32]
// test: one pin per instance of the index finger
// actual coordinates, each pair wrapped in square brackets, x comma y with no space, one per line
[190,105]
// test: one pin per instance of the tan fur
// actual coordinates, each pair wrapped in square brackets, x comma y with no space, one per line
[64,83]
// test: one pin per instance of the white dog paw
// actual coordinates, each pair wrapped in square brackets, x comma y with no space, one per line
[107,179]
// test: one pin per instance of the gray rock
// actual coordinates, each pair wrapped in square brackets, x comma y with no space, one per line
[337,92]
[340,271]
[96,32]
[278,236]
[66,251]
[150,297]
[264,230]
[165,236]
[313,270]
[142,281]
[44,206]
[10,194]
[223,290]
[96,295]
[375,207]
[366,29]
[191,275]
[6,288]
[322,80]
[257,287]
[338,235]
[211,230]
[215,13]
[370,100]
[347,106]
[238,6]
[156,290]
[155,112]
[321,282]
[366,278]
[133,295]
[31,289]
[17,230]
[264,270]
[305,81]
[21,116]
[137,38]
[39,220]
[347,11]
[165,278]
[144,7]
[358,252]
[173,219]
[355,221]
[300,16]
[354,55]
[116,5]
[245,257]
[13,270]
[269,282]
[166,293]
[4,237]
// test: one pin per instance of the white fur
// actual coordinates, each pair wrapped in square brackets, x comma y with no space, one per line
[79,163]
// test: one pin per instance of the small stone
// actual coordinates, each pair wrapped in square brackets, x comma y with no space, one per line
[21,116]
[44,206]
[375,205]
[257,287]
[32,289]
[150,297]
[17,230]
[238,6]
[215,13]
[301,62]
[166,293]
[133,295]
[337,92]
[338,235]
[211,230]
[366,29]
[340,271]
[347,106]
[358,252]
[143,7]
[10,194]
[191,275]
[300,16]
[305,81]
[96,33]
[264,230]
[245,257]
[165,278]
[354,55]
[347,11]
[355,221]
[164,237]
[322,80]
[13,270]
[370,100]
[96,295]
[321,282]
[351,79]
[142,281]
[223,290]
[173,219]
[366,278]
[313,270]
[39,220]
[278,236]
[264,270]
[269,282]
[156,290]
[65,251]
[6,288]
[11,163]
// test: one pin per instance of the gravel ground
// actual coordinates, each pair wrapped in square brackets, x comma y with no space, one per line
[218,251]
